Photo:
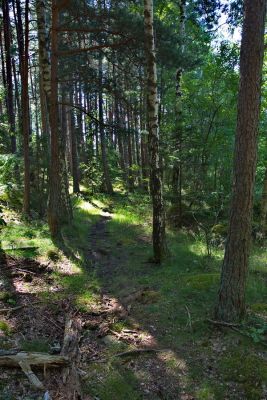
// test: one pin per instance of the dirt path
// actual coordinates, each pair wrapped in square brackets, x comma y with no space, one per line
[154,372]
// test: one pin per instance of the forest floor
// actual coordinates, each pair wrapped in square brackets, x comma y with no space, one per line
[101,273]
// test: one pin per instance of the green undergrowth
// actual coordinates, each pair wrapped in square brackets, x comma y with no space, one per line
[187,283]
[23,238]
[109,382]
[184,292]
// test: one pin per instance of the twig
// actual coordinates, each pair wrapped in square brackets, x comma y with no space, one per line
[129,331]
[138,351]
[222,323]
[7,310]
[25,270]
[54,323]
[118,335]
[189,318]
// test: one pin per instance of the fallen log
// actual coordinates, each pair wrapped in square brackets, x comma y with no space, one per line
[25,360]
[9,359]
[70,349]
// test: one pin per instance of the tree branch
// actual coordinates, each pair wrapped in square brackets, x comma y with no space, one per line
[89,30]
[92,48]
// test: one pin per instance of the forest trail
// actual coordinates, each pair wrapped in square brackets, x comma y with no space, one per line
[141,354]
[102,274]
[98,236]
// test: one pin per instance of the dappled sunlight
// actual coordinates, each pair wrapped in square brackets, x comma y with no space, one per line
[102,265]
[89,207]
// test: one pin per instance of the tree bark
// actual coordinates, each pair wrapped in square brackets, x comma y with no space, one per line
[25,110]
[10,101]
[74,152]
[231,302]
[264,203]
[156,186]
[59,207]
[106,172]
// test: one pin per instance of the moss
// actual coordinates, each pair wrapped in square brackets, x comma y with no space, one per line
[249,370]
[202,281]
[4,327]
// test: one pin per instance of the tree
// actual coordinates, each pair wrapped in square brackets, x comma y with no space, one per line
[59,208]
[156,187]
[9,81]
[106,172]
[231,302]
[25,111]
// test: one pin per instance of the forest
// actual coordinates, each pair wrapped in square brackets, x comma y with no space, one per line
[133,200]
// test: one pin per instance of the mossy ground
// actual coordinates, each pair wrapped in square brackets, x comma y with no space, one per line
[183,293]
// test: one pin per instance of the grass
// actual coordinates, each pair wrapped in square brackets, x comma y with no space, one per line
[187,284]
[21,233]
[183,293]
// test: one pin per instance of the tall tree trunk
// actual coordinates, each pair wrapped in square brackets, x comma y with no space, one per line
[156,186]
[137,147]
[231,302]
[44,81]
[74,151]
[264,203]
[59,210]
[10,101]
[177,167]
[43,50]
[25,112]
[130,153]
[106,171]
